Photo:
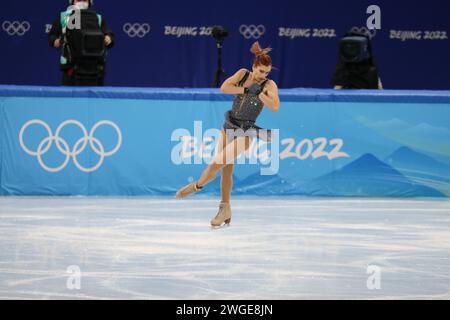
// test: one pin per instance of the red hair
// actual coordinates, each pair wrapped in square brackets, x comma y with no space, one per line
[261,55]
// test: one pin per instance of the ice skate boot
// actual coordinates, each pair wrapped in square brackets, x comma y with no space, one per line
[223,216]
[187,190]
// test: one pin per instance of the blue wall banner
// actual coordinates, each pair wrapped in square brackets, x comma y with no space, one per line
[169,44]
[107,141]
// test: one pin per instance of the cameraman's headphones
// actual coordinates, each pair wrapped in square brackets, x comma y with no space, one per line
[91,2]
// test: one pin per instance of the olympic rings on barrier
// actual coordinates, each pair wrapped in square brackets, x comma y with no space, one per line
[64,148]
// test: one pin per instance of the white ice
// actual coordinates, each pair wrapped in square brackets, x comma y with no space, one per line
[275,248]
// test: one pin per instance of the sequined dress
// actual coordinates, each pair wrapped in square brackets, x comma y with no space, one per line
[240,120]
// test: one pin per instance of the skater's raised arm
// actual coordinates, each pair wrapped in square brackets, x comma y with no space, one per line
[230,85]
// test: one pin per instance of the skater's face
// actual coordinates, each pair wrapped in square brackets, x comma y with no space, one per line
[261,72]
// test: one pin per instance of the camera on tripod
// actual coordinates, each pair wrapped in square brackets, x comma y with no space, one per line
[219,33]
[354,48]
[356,67]
[88,41]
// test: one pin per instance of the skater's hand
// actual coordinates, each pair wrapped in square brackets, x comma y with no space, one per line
[254,89]
[57,43]
[108,40]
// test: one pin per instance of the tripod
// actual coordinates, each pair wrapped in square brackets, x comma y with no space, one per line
[219,71]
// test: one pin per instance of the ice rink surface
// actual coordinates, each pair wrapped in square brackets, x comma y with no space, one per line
[275,248]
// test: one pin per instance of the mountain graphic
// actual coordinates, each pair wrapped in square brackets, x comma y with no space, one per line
[367,176]
[421,168]
[407,160]
[258,184]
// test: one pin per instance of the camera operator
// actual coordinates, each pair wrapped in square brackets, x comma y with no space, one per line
[83,40]
[356,67]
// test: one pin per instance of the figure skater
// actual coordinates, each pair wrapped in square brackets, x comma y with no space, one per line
[253,91]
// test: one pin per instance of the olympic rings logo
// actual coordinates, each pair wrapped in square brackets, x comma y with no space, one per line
[252,31]
[16,27]
[136,29]
[64,148]
[370,33]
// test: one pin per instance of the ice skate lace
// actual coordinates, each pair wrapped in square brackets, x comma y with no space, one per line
[221,210]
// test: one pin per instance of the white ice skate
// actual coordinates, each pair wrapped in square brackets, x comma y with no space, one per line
[223,216]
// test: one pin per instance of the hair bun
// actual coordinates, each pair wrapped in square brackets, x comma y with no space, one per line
[258,51]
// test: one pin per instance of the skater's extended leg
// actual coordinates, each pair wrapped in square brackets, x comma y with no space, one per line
[193,186]
[226,157]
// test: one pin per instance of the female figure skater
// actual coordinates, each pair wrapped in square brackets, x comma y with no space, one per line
[253,91]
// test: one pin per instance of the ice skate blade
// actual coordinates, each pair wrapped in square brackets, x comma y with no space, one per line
[225,225]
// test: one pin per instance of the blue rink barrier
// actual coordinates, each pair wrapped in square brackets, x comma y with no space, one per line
[151,141]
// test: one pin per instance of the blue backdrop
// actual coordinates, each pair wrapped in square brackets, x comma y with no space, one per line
[170,44]
[62,141]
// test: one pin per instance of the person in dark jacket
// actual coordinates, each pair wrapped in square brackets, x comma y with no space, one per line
[57,38]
